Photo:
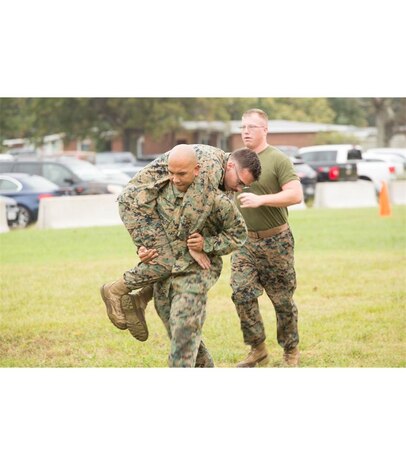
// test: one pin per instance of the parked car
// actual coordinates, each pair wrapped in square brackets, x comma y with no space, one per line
[396,159]
[119,162]
[79,176]
[27,190]
[24,152]
[329,166]
[307,175]
[124,171]
[391,150]
[115,175]
[290,150]
[109,158]
[11,209]
[344,162]
[6,157]
[85,155]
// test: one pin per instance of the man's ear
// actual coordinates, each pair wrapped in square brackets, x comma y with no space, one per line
[230,164]
[197,169]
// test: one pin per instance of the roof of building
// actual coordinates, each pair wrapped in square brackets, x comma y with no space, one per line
[274,126]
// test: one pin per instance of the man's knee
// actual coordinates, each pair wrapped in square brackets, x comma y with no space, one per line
[244,296]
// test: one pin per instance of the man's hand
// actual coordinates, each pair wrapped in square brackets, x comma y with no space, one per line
[249,200]
[147,255]
[201,258]
[195,242]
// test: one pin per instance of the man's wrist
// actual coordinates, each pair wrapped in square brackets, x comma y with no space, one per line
[207,245]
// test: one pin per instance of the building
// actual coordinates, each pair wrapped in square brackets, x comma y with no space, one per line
[227,136]
[223,134]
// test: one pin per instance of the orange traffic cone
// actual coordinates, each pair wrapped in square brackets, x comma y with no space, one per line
[384,202]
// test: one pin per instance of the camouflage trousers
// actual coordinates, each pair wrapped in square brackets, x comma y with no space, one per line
[149,273]
[171,260]
[266,264]
[180,302]
[145,274]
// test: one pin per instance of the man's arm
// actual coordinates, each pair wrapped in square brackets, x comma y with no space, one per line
[147,256]
[137,203]
[232,232]
[290,194]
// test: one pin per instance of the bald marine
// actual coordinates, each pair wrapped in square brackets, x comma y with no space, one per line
[183,166]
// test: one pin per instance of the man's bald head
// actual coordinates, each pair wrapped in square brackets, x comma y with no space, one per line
[182,166]
[183,153]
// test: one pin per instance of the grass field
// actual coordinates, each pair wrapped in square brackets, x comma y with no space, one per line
[351,273]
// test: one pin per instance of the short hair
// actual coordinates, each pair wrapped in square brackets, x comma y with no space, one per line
[259,112]
[247,159]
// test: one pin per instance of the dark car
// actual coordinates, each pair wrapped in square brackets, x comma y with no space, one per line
[308,177]
[27,190]
[80,176]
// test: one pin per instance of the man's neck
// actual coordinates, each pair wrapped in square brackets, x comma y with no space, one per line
[260,148]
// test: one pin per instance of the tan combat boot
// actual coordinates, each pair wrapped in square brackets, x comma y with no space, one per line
[134,306]
[258,355]
[291,357]
[144,296]
[111,294]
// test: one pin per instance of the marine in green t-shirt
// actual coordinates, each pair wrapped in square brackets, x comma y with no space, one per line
[276,170]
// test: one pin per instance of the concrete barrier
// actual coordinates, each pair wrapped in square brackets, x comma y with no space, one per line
[3,217]
[351,194]
[397,192]
[78,211]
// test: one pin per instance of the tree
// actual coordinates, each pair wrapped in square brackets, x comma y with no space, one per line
[389,117]
[100,118]
[349,111]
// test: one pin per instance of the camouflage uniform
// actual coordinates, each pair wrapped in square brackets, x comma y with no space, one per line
[267,263]
[137,207]
[181,300]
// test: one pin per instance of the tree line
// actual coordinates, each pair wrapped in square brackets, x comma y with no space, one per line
[33,118]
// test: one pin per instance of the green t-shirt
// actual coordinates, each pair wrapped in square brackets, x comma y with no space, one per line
[276,170]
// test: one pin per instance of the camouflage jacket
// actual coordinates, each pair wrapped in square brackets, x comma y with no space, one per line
[137,202]
[224,229]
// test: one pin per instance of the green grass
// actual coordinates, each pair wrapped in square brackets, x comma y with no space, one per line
[351,297]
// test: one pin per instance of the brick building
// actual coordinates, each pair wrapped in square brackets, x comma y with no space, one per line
[223,134]
[227,135]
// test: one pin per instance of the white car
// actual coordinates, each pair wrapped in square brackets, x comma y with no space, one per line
[120,162]
[12,209]
[395,159]
[323,156]
[391,150]
[6,157]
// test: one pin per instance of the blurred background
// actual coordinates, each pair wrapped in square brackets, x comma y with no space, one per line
[88,146]
[148,126]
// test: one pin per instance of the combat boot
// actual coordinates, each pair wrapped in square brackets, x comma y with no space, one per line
[134,306]
[111,294]
[258,355]
[144,296]
[291,357]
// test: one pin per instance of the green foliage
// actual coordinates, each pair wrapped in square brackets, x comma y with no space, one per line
[349,111]
[99,118]
[300,109]
[350,265]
